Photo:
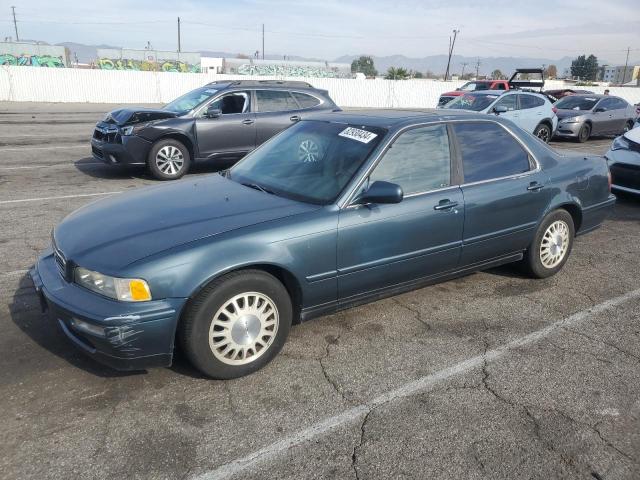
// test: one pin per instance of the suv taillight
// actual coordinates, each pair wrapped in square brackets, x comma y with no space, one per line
[555,110]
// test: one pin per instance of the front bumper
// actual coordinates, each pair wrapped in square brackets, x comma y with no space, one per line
[134,336]
[120,150]
[624,166]
[569,130]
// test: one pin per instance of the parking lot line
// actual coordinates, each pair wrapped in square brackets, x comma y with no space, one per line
[417,386]
[27,147]
[73,164]
[39,199]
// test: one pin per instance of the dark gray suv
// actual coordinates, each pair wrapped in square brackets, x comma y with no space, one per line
[222,121]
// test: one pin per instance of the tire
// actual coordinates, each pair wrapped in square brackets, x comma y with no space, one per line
[539,260]
[169,159]
[211,329]
[628,126]
[584,133]
[543,132]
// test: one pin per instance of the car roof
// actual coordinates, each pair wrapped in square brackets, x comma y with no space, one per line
[261,83]
[391,118]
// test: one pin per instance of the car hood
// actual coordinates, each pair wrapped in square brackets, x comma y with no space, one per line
[125,116]
[566,113]
[112,233]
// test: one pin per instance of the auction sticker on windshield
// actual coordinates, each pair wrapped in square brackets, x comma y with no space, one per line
[357,134]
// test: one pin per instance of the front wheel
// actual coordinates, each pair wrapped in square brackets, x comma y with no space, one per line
[237,324]
[169,159]
[543,132]
[628,126]
[551,245]
[584,133]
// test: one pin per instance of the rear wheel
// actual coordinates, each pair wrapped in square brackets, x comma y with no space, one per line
[169,159]
[543,132]
[628,126]
[551,245]
[584,133]
[237,325]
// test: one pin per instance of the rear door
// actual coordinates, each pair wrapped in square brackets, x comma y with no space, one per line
[604,121]
[233,133]
[619,115]
[505,193]
[532,111]
[275,111]
[380,246]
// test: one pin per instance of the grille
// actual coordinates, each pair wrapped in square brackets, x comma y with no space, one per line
[625,175]
[106,134]
[61,262]
[97,151]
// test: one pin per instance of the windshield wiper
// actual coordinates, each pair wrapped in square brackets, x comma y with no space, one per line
[255,186]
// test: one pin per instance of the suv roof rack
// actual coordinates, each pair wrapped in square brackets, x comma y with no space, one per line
[257,83]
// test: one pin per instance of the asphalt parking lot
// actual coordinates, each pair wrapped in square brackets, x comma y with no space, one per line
[493,375]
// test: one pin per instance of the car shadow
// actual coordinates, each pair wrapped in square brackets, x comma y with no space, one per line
[26,314]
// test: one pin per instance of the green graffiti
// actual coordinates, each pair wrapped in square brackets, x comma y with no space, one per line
[289,71]
[147,66]
[31,60]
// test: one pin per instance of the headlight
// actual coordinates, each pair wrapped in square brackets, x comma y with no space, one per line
[133,129]
[620,143]
[123,289]
[569,120]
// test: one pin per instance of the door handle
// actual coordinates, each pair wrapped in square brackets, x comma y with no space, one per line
[535,186]
[247,121]
[445,205]
[295,118]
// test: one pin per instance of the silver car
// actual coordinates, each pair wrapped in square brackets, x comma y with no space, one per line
[581,116]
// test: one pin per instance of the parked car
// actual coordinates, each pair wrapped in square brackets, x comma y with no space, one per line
[555,95]
[532,112]
[521,78]
[338,210]
[581,116]
[624,162]
[221,121]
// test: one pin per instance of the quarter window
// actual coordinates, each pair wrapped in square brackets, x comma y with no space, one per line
[530,101]
[275,101]
[489,151]
[418,161]
[305,101]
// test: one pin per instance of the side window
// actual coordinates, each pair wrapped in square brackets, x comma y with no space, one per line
[418,161]
[508,101]
[275,101]
[489,151]
[618,103]
[305,101]
[530,101]
[606,103]
[500,86]
[235,102]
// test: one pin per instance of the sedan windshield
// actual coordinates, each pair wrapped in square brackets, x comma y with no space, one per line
[476,103]
[312,161]
[573,102]
[189,101]
[473,86]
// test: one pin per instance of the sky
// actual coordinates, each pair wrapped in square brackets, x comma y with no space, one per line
[327,29]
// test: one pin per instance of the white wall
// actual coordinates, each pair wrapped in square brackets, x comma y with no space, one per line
[31,84]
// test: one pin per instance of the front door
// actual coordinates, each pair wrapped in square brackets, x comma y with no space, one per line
[381,246]
[233,133]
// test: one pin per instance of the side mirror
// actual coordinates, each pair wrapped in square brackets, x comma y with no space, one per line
[498,109]
[600,110]
[380,192]
[213,112]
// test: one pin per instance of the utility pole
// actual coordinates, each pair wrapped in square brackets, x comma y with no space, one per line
[179,47]
[451,45]
[263,41]
[464,64]
[477,67]
[624,75]
[15,25]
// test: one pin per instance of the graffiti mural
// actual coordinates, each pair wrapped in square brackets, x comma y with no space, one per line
[31,60]
[146,65]
[288,70]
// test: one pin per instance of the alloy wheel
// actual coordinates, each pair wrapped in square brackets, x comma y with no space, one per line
[543,134]
[555,244]
[243,328]
[169,160]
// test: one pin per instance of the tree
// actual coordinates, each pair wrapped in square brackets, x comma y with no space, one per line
[396,73]
[497,75]
[364,65]
[551,72]
[585,67]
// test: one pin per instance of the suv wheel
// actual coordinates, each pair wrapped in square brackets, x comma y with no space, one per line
[169,160]
[237,324]
[551,245]
[543,132]
[584,133]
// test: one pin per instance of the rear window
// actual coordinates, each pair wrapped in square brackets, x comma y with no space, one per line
[305,101]
[530,101]
[275,101]
[489,151]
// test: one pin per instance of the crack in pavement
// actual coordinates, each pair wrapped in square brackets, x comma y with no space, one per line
[356,448]
[415,311]
[577,352]
[604,342]
[331,340]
